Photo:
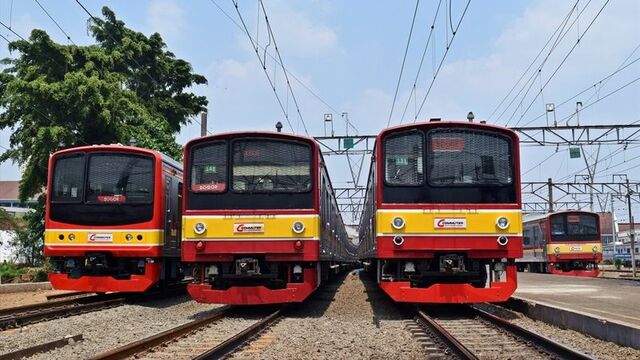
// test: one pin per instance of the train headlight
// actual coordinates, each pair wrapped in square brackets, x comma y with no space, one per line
[503,240]
[595,249]
[199,228]
[557,250]
[298,227]
[397,223]
[72,237]
[129,237]
[502,222]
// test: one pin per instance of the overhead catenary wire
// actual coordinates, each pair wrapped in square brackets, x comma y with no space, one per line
[444,56]
[424,53]
[297,79]
[54,21]
[561,25]
[404,59]
[575,45]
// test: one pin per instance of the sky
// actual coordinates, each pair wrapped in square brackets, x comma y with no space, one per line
[349,53]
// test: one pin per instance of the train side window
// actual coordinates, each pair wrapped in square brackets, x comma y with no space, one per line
[527,236]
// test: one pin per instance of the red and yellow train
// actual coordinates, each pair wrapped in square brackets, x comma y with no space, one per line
[261,223]
[113,219]
[562,243]
[442,221]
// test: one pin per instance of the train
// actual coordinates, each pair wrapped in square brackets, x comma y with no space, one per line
[113,219]
[442,220]
[562,243]
[261,224]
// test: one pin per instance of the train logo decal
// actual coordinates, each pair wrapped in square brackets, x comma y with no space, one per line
[100,237]
[450,223]
[576,248]
[248,228]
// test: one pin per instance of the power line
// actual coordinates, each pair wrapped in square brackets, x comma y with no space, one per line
[444,56]
[424,52]
[297,79]
[12,31]
[561,25]
[538,72]
[284,70]
[563,60]
[54,21]
[404,59]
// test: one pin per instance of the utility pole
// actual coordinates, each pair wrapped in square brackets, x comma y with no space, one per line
[613,228]
[550,197]
[203,123]
[632,233]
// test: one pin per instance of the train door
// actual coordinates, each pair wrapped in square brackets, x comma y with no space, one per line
[172,221]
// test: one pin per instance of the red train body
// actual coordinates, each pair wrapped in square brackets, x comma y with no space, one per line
[442,219]
[261,224]
[112,219]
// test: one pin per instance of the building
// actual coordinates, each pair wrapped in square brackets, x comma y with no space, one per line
[9,199]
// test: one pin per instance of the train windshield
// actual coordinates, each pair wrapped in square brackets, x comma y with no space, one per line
[574,227]
[102,188]
[271,166]
[466,157]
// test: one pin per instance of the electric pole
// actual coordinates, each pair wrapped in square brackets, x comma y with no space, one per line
[632,234]
[203,123]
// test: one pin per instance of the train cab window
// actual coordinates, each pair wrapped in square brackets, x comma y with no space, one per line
[120,178]
[271,166]
[469,157]
[68,179]
[557,225]
[209,168]
[582,225]
[404,159]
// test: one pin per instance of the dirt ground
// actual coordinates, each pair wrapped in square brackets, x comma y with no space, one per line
[25,298]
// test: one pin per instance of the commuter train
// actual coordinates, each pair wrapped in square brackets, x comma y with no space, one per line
[562,243]
[113,218]
[260,223]
[442,220]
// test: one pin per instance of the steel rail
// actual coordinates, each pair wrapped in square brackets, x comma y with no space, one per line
[543,342]
[232,343]
[25,318]
[40,348]
[452,343]
[67,295]
[166,336]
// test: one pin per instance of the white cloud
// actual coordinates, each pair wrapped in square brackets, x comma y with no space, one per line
[167,18]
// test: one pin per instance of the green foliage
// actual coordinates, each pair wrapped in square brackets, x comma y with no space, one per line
[29,241]
[57,96]
[8,271]
[7,221]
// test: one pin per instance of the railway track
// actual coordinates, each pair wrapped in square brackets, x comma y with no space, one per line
[29,314]
[471,333]
[199,339]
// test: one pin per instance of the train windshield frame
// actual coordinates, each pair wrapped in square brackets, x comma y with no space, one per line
[278,173]
[103,188]
[574,227]
[449,165]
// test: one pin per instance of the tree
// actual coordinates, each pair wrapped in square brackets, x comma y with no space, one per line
[127,85]
[55,96]
[29,240]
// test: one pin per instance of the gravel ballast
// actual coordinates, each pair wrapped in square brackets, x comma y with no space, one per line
[360,323]
[600,349]
[106,329]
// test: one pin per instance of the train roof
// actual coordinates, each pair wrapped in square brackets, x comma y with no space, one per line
[123,148]
[444,123]
[534,217]
[273,134]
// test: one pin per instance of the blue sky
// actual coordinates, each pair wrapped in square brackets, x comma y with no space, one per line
[350,52]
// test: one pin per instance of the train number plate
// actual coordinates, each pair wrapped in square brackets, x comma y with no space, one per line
[100,237]
[449,223]
[248,228]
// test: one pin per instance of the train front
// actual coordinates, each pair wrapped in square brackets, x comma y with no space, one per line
[103,231]
[448,220]
[251,222]
[575,246]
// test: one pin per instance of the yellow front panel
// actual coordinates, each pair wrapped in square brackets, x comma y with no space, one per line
[568,248]
[263,227]
[425,222]
[118,237]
